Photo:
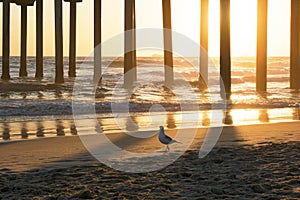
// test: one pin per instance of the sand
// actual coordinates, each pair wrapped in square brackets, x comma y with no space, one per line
[248,162]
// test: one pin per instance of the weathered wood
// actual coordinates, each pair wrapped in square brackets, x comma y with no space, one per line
[97,41]
[23,2]
[129,57]
[295,45]
[72,51]
[74,1]
[5,40]
[59,64]
[225,56]
[39,39]
[168,47]
[204,42]
[134,41]
[23,68]
[261,53]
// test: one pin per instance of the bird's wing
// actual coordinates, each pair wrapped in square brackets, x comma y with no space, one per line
[164,139]
[168,138]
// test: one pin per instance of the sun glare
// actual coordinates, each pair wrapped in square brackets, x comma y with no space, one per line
[185,20]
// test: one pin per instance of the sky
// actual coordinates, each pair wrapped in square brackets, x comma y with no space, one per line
[185,20]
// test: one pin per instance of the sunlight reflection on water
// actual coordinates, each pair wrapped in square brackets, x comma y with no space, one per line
[35,97]
[33,127]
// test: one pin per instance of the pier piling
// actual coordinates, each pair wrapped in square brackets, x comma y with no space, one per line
[97,41]
[23,4]
[203,77]
[295,45]
[129,57]
[225,55]
[262,38]
[23,68]
[72,53]
[168,47]
[59,64]
[39,39]
[72,44]
[6,40]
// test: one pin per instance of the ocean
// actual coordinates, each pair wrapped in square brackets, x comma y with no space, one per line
[31,107]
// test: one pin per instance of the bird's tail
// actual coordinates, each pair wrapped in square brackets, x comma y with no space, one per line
[175,141]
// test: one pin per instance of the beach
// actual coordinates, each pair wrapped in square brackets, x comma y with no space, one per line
[140,108]
[256,156]
[248,162]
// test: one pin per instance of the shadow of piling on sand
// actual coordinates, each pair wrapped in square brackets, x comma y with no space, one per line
[237,171]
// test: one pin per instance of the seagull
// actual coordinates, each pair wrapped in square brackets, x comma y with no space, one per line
[165,139]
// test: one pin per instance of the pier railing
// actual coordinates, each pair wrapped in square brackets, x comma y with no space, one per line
[130,41]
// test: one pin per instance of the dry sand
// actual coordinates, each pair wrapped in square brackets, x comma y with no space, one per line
[249,162]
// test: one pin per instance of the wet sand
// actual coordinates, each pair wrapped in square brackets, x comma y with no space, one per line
[248,162]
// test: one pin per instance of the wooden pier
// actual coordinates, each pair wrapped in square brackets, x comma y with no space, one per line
[130,58]
[97,41]
[129,44]
[225,54]
[262,38]
[295,44]
[39,39]
[6,40]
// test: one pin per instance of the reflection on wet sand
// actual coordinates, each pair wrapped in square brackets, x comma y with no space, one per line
[143,122]
[60,130]
[205,118]
[263,116]
[171,122]
[24,131]
[40,129]
[132,123]
[73,129]
[296,113]
[227,118]
[6,132]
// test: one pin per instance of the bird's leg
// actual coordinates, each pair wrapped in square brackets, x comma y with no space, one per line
[168,148]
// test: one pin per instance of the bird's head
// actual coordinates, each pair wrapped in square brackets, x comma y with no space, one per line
[161,128]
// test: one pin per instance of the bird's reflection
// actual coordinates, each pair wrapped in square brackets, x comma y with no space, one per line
[263,116]
[171,122]
[227,118]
